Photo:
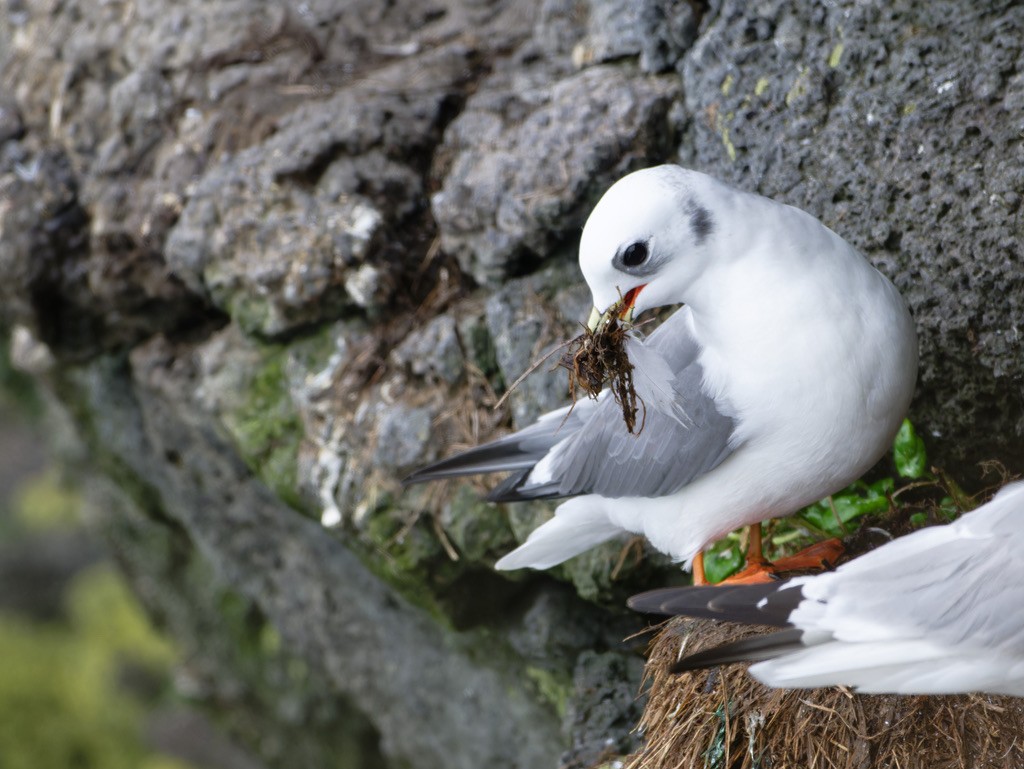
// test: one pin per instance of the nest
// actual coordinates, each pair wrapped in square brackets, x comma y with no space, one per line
[722,718]
[597,358]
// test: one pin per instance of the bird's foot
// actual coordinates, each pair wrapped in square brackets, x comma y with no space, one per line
[820,556]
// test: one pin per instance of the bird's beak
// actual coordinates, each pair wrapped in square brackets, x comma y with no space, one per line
[621,309]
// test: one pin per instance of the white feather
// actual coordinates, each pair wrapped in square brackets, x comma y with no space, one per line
[935,612]
[654,380]
[576,527]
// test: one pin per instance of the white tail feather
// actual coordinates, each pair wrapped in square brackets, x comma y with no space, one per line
[578,525]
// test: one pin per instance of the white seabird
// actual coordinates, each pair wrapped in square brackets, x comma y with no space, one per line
[939,611]
[793,361]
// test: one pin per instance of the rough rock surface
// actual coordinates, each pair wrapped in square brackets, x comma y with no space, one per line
[267,259]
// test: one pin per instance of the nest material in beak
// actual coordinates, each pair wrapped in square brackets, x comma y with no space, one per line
[598,357]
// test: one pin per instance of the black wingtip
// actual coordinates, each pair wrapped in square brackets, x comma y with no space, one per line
[512,489]
[670,601]
[423,475]
[769,603]
[746,650]
[493,457]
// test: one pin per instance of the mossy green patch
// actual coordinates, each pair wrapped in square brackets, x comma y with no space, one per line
[593,572]
[485,355]
[722,126]
[836,56]
[45,502]
[408,555]
[107,615]
[267,427]
[308,725]
[163,762]
[61,703]
[552,687]
[249,311]
[478,529]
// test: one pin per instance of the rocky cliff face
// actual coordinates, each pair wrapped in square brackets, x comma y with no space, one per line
[268,258]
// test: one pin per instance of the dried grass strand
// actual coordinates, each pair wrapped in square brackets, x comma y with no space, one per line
[828,728]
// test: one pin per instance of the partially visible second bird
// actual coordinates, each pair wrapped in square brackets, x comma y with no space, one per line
[939,611]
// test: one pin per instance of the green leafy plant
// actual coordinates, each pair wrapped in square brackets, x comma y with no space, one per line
[833,515]
[908,452]
[724,558]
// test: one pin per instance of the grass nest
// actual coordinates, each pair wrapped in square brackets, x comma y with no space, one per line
[722,718]
[598,358]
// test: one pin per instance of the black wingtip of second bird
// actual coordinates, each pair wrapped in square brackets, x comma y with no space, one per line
[746,650]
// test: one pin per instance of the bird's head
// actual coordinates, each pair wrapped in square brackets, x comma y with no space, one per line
[648,239]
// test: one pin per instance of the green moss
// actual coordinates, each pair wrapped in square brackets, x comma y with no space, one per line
[57,707]
[278,705]
[107,615]
[551,687]
[61,703]
[44,502]
[249,311]
[836,56]
[267,428]
[485,355]
[592,573]
[409,557]
[722,124]
[440,564]
[478,529]
[313,352]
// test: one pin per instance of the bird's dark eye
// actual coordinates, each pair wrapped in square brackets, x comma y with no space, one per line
[635,254]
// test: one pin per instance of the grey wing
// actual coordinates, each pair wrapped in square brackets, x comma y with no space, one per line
[602,457]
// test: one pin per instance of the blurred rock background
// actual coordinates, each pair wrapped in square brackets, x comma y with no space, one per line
[262,259]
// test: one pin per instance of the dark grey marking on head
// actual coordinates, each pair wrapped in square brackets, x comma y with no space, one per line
[701,221]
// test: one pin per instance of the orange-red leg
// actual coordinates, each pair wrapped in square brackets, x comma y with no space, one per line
[758,568]
[699,578]
[821,555]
